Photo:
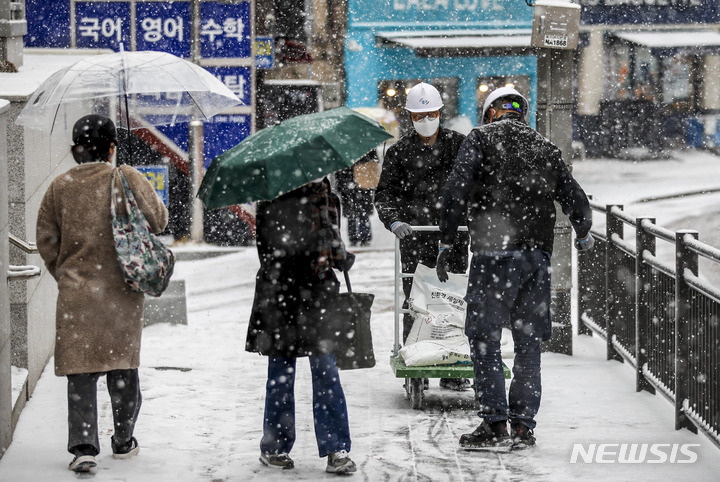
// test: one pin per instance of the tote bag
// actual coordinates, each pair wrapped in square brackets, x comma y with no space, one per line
[145,262]
[349,315]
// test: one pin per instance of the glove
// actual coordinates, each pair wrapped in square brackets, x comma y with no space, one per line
[347,263]
[586,243]
[441,264]
[400,229]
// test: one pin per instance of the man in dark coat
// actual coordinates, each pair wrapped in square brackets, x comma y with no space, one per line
[298,242]
[511,177]
[413,174]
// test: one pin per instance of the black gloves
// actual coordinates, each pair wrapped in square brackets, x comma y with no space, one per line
[441,265]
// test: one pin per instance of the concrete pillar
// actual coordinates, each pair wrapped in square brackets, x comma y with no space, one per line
[6,401]
[591,73]
[554,121]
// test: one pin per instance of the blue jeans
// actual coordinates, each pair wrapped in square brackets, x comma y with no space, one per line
[332,431]
[508,288]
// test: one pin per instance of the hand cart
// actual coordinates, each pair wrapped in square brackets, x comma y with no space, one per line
[414,386]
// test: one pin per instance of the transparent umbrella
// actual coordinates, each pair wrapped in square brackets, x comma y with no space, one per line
[135,89]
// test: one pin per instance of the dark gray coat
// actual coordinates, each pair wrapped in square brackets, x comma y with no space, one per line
[511,176]
[289,294]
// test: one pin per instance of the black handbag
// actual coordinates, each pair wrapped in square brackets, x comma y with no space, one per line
[349,317]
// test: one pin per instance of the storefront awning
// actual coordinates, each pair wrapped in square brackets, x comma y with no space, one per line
[691,41]
[459,43]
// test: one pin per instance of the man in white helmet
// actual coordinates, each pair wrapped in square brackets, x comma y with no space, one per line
[414,172]
[509,177]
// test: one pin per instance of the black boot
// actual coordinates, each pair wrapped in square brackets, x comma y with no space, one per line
[522,436]
[487,436]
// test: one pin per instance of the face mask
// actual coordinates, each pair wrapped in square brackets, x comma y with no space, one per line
[427,127]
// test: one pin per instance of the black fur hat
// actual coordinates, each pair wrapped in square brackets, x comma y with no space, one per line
[93,136]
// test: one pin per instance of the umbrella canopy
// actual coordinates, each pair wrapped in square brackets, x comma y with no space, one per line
[283,157]
[157,86]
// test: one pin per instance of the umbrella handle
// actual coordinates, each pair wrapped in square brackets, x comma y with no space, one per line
[347,281]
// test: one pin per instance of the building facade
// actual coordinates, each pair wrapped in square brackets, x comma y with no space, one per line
[648,75]
[463,47]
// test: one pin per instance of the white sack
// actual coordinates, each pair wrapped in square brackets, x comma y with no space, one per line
[452,351]
[438,308]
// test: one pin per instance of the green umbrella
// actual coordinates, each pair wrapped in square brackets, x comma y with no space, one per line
[283,157]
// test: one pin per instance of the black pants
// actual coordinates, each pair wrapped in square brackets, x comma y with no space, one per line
[125,398]
[422,248]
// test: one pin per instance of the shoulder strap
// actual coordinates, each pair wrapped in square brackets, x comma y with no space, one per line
[118,196]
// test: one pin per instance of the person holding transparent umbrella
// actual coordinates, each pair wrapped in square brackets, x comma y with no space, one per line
[98,317]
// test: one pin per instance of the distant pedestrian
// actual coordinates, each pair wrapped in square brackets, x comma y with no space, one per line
[413,175]
[98,318]
[299,244]
[510,177]
[357,189]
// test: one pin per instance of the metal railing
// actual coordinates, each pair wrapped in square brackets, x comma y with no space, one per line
[17,273]
[657,315]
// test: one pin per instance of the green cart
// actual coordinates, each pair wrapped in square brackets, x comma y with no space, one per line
[413,376]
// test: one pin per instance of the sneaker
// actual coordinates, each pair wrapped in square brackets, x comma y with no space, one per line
[340,463]
[84,459]
[282,461]
[82,463]
[522,436]
[125,450]
[488,435]
[457,384]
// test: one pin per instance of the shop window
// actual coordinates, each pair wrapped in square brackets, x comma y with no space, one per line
[645,77]
[677,86]
[617,73]
[485,85]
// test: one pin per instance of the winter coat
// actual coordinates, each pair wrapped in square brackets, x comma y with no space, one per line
[410,190]
[98,318]
[413,176]
[294,282]
[511,176]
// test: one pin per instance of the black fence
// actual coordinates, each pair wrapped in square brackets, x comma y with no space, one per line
[656,313]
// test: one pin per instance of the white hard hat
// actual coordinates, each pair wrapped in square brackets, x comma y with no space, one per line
[423,98]
[501,93]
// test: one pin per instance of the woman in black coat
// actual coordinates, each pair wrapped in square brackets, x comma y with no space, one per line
[298,242]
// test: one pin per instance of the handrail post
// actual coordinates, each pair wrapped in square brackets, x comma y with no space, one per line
[612,279]
[644,241]
[684,260]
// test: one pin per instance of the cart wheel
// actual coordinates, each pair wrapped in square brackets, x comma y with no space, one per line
[406,386]
[416,393]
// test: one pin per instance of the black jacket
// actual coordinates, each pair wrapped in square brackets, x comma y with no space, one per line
[412,179]
[289,294]
[511,175]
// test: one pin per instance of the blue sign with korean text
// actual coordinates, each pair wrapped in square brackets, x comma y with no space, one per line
[225,29]
[163,26]
[222,132]
[158,177]
[102,24]
[264,52]
[237,79]
[48,24]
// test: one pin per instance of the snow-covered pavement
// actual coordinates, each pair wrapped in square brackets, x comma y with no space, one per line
[203,394]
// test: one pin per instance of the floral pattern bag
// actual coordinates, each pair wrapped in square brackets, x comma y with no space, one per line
[145,262]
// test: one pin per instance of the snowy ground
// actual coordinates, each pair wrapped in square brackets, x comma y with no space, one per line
[203,394]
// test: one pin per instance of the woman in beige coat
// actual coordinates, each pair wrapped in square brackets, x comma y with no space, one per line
[98,318]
